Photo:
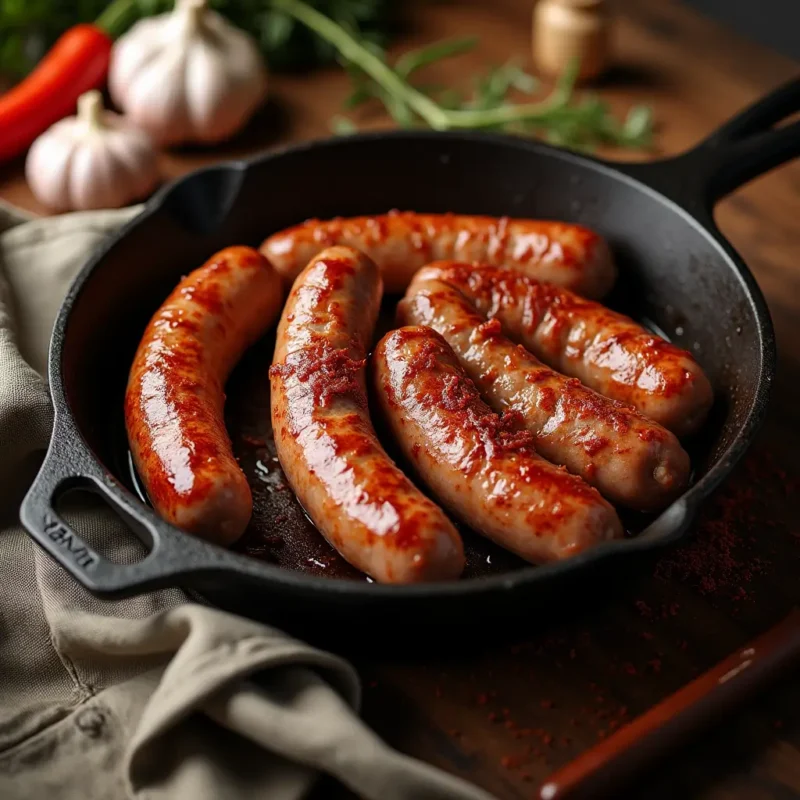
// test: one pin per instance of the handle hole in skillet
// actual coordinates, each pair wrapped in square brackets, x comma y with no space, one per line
[102,526]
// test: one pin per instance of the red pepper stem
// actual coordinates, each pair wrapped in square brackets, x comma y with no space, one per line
[118,17]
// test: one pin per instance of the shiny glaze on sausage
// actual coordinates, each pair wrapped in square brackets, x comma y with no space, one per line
[631,460]
[606,351]
[355,495]
[175,396]
[403,242]
[481,466]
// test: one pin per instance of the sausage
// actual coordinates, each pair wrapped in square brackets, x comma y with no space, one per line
[403,242]
[175,395]
[631,460]
[356,496]
[606,351]
[481,466]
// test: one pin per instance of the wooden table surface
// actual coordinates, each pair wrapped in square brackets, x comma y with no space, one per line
[503,715]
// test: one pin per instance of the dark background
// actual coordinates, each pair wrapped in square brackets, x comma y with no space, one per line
[774,23]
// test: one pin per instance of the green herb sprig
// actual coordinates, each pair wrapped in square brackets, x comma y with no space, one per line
[580,125]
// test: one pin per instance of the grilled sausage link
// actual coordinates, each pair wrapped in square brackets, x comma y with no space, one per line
[400,243]
[175,396]
[606,351]
[481,466]
[355,495]
[630,459]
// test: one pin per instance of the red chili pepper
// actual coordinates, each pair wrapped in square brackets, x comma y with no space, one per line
[76,63]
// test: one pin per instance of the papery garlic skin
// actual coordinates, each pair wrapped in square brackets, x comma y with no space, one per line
[90,161]
[187,76]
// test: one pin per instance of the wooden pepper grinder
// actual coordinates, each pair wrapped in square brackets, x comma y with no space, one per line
[566,29]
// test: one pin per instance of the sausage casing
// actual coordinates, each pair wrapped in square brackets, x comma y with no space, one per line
[175,395]
[402,242]
[356,496]
[631,460]
[481,466]
[606,351]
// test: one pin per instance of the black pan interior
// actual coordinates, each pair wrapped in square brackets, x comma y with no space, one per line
[674,276]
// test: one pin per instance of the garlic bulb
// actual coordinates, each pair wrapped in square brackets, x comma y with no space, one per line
[187,76]
[93,160]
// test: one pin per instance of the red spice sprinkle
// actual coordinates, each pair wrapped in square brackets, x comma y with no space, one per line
[455,733]
[506,712]
[547,704]
[643,609]
[612,725]
[601,734]
[547,739]
[623,712]
[482,699]
[253,441]
[655,664]
[492,717]
[511,761]
[647,636]
[565,740]
[510,724]
[684,645]
[593,686]
[629,668]
[438,691]
[600,699]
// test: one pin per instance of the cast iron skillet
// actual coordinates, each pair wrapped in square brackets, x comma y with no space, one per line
[677,271]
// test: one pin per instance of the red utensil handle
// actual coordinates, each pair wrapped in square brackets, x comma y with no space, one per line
[603,768]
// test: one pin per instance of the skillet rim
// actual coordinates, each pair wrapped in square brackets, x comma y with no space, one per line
[676,519]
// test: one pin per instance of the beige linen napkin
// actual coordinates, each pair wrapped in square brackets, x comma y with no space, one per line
[151,697]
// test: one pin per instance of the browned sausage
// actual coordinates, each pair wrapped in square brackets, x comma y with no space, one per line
[175,396]
[481,466]
[606,351]
[630,459]
[358,499]
[400,243]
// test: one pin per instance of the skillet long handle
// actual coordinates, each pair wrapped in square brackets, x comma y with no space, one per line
[748,145]
[744,147]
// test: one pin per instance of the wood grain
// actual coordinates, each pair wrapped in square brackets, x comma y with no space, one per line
[504,714]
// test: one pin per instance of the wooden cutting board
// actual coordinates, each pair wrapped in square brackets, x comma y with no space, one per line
[503,715]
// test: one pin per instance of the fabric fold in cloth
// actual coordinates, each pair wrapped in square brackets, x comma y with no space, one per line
[154,696]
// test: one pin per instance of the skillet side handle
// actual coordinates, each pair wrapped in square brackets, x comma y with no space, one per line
[172,555]
[745,147]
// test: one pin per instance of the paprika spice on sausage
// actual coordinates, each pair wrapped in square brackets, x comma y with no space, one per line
[631,460]
[175,396]
[606,351]
[481,466]
[400,243]
[358,499]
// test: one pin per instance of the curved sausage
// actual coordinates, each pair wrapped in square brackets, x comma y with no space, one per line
[175,396]
[630,459]
[400,243]
[481,466]
[606,351]
[355,495]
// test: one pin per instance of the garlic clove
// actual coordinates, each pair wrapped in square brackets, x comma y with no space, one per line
[189,76]
[47,167]
[93,160]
